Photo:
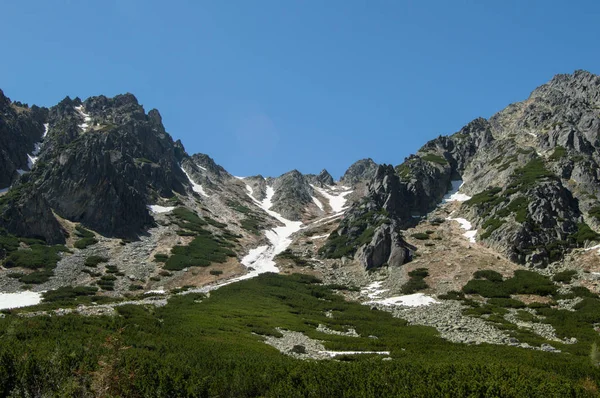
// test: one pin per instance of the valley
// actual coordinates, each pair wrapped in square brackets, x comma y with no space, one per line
[131,268]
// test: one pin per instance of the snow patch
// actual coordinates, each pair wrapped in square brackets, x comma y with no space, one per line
[597,247]
[4,190]
[336,353]
[337,202]
[86,118]
[160,209]
[453,195]
[46,128]
[470,233]
[320,236]
[373,290]
[20,299]
[21,172]
[260,259]
[410,300]
[195,187]
[318,203]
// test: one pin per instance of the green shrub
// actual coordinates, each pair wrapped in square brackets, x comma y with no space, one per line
[584,234]
[522,282]
[416,281]
[68,293]
[161,258]
[420,236]
[506,302]
[37,277]
[564,276]
[488,274]
[434,158]
[93,261]
[216,272]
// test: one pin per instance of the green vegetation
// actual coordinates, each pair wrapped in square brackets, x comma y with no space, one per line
[416,281]
[420,236]
[559,153]
[523,282]
[68,293]
[595,212]
[35,257]
[204,249]
[143,160]
[93,261]
[216,272]
[532,172]
[434,158]
[161,257]
[489,196]
[107,282]
[488,274]
[564,276]
[490,225]
[199,346]
[584,233]
[86,238]
[363,227]
[38,257]
[201,252]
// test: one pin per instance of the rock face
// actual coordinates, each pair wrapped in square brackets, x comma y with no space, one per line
[21,127]
[362,170]
[532,170]
[102,162]
[323,179]
[292,193]
[370,228]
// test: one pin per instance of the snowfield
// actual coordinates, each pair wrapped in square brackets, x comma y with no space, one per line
[337,202]
[453,195]
[410,300]
[279,239]
[86,118]
[470,233]
[318,203]
[160,209]
[20,299]
[373,290]
[195,187]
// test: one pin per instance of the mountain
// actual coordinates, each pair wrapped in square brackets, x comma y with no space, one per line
[488,235]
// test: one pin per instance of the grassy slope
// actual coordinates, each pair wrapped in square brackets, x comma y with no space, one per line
[199,346]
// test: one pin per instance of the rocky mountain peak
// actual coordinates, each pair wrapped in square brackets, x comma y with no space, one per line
[359,171]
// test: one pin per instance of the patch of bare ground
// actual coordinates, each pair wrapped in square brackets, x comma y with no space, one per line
[449,256]
[532,298]
[201,276]
[587,261]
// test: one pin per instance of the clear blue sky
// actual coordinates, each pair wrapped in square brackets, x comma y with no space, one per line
[268,86]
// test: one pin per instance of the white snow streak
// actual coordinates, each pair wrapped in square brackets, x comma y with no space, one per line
[318,203]
[21,172]
[336,353]
[160,209]
[86,118]
[466,225]
[319,237]
[453,195]
[20,299]
[337,202]
[195,187]
[410,300]
[597,247]
[373,290]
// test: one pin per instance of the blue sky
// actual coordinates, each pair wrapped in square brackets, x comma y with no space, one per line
[268,86]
